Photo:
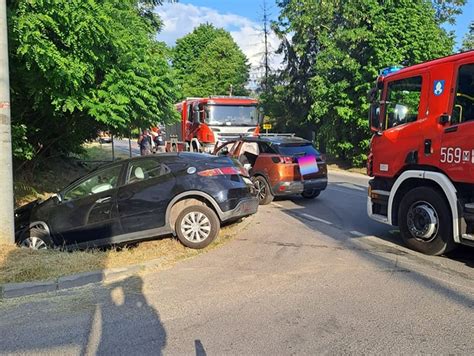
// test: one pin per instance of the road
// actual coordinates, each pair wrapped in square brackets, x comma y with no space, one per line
[305,277]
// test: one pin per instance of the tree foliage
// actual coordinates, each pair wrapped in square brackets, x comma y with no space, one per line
[468,41]
[333,51]
[82,65]
[208,62]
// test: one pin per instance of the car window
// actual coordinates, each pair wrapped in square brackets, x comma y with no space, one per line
[298,150]
[99,182]
[249,147]
[145,169]
[403,101]
[228,149]
[266,148]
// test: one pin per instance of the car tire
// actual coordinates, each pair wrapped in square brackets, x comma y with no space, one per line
[36,239]
[311,194]
[264,193]
[197,226]
[425,222]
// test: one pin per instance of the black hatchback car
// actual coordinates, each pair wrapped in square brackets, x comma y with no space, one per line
[185,194]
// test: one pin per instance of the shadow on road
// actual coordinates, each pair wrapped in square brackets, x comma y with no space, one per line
[114,318]
[386,258]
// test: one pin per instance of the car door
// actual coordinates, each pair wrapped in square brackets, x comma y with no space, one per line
[143,200]
[87,212]
[457,147]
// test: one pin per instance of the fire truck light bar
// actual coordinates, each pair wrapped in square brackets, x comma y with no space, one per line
[389,70]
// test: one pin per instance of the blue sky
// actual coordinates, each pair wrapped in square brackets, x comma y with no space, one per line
[252,9]
[243,19]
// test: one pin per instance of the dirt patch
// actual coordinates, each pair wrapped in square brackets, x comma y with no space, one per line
[24,265]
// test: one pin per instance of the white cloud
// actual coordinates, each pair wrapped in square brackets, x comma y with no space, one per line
[180,19]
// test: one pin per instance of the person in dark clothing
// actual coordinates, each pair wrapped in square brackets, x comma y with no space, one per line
[144,141]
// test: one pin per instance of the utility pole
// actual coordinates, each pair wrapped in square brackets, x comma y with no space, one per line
[266,32]
[7,231]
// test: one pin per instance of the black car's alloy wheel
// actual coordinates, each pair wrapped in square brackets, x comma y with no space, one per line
[36,239]
[197,226]
[264,193]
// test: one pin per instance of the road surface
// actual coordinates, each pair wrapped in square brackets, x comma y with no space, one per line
[305,277]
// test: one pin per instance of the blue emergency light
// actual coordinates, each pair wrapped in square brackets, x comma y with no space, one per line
[389,70]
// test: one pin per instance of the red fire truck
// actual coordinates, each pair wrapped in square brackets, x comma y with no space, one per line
[206,121]
[422,152]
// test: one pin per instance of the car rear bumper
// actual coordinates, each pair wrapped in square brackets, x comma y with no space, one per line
[297,187]
[316,184]
[288,188]
[247,206]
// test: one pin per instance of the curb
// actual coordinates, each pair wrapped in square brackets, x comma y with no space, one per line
[15,290]
[347,173]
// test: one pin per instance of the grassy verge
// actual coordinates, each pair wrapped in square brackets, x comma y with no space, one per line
[341,165]
[47,177]
[24,265]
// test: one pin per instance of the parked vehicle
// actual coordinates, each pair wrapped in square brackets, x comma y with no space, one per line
[185,194]
[422,152]
[279,165]
[105,137]
[206,121]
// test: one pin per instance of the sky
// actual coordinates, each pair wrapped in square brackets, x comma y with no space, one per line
[243,19]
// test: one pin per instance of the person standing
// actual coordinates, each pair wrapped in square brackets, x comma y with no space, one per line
[144,141]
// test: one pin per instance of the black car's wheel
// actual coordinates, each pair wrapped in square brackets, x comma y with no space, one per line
[36,239]
[264,194]
[425,222]
[310,194]
[197,226]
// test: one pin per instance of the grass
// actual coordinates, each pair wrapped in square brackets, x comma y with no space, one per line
[341,165]
[24,265]
[54,174]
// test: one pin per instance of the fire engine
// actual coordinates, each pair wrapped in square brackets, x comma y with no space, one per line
[207,121]
[422,152]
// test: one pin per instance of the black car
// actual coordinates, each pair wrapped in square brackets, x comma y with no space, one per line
[185,194]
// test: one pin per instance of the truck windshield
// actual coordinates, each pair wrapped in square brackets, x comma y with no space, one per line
[232,115]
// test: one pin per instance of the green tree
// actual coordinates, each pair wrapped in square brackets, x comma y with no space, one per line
[333,52]
[208,62]
[468,41]
[79,66]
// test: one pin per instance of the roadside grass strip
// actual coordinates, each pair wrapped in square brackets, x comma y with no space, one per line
[25,265]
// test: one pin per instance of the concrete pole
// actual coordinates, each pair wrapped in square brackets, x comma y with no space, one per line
[7,228]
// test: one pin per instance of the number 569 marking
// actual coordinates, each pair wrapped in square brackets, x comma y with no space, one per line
[451,155]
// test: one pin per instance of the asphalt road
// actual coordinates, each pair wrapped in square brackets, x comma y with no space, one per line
[305,277]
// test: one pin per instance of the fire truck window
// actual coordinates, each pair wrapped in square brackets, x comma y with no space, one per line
[463,109]
[403,100]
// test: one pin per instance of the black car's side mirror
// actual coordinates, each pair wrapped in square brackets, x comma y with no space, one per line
[57,198]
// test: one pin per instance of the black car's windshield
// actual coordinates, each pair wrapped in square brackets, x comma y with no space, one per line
[236,115]
[298,150]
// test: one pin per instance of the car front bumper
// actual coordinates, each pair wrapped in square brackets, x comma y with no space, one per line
[245,207]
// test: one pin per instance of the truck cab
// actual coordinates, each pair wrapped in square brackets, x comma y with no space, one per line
[422,152]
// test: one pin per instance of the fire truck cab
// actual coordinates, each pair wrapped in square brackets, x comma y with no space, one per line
[207,121]
[422,152]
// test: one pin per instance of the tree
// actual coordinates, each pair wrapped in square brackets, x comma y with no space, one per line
[468,41]
[209,62]
[333,52]
[79,66]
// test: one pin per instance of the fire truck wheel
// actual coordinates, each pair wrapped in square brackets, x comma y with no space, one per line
[425,221]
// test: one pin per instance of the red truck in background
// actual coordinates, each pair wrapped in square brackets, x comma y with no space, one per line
[422,152]
[207,121]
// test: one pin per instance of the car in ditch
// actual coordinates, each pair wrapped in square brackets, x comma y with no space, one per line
[185,194]
[280,165]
